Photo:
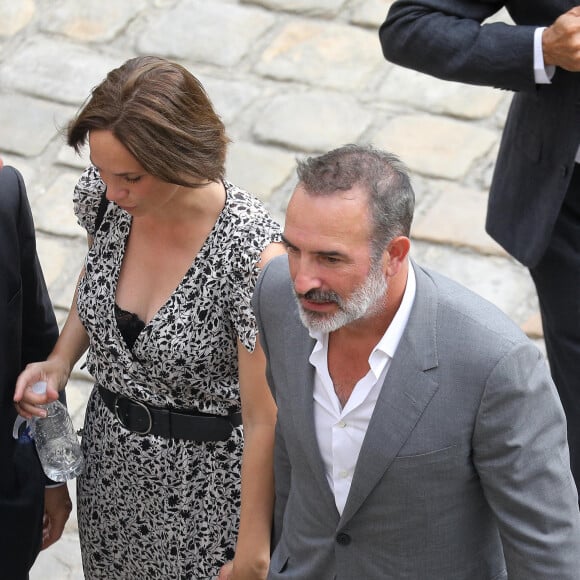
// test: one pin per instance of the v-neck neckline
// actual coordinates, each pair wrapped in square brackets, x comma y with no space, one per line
[120,248]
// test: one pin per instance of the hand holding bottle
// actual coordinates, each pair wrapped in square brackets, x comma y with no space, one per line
[54,372]
[56,440]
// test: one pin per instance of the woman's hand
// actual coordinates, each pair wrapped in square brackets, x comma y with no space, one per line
[54,371]
[248,571]
[226,571]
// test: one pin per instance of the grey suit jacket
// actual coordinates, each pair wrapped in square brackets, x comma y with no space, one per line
[542,132]
[464,471]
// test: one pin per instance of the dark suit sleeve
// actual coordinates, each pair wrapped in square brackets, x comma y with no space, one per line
[39,327]
[446,39]
[521,454]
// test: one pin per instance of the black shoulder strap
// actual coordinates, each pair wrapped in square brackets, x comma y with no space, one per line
[101,211]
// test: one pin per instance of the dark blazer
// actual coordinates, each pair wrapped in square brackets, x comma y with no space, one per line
[28,331]
[464,471]
[542,132]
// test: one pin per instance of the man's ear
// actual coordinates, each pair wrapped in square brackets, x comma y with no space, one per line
[395,255]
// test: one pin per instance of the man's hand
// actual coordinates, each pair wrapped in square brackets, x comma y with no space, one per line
[561,41]
[57,508]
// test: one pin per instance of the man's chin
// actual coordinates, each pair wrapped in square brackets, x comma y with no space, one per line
[319,321]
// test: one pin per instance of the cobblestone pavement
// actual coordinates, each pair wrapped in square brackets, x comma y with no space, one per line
[289,77]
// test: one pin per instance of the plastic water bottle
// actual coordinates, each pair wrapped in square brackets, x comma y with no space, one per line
[56,440]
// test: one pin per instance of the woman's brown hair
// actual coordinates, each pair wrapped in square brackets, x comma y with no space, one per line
[161,113]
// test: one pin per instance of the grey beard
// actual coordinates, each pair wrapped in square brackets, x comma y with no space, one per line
[365,301]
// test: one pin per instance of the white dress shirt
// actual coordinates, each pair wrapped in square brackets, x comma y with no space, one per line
[542,73]
[340,431]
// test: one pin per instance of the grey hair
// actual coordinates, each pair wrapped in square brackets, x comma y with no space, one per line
[381,174]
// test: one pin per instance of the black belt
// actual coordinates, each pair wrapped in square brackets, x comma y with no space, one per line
[169,423]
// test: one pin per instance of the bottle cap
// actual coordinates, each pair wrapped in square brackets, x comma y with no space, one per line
[39,388]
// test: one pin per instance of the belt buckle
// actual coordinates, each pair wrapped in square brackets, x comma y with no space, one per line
[125,424]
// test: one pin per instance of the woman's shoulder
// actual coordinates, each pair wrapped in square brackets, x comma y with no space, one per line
[87,196]
[90,184]
[246,209]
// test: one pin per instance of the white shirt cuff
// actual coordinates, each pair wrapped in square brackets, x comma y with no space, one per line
[542,73]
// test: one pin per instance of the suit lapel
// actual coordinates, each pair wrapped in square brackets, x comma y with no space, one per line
[405,394]
[300,377]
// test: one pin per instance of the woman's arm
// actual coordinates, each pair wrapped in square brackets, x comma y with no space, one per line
[70,346]
[259,415]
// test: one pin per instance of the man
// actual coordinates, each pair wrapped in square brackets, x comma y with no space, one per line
[31,516]
[419,433]
[534,203]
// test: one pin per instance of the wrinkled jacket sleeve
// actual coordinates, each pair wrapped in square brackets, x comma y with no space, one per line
[521,456]
[449,39]
[39,328]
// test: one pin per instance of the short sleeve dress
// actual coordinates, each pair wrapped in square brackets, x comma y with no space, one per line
[151,507]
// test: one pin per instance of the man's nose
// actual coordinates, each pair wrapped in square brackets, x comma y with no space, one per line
[306,277]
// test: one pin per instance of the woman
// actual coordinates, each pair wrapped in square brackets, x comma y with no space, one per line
[163,306]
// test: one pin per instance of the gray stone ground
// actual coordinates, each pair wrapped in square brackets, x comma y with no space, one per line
[289,77]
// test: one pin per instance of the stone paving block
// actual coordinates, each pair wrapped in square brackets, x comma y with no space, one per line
[370,13]
[68,156]
[53,211]
[56,70]
[15,15]
[502,281]
[435,146]
[62,561]
[457,218]
[61,263]
[308,7]
[189,31]
[91,20]
[52,258]
[259,170]
[314,121]
[27,168]
[411,88]
[228,97]
[322,54]
[28,124]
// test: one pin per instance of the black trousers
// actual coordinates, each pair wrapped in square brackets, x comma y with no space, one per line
[557,280]
[21,511]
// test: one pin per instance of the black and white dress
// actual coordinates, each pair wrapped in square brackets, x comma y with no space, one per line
[150,507]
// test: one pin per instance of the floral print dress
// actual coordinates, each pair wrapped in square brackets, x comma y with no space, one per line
[150,507]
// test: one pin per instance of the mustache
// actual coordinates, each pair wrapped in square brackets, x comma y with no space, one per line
[320,296]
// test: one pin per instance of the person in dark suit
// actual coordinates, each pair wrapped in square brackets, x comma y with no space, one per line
[534,201]
[33,511]
[419,433]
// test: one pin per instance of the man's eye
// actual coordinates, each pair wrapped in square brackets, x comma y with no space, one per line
[331,260]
